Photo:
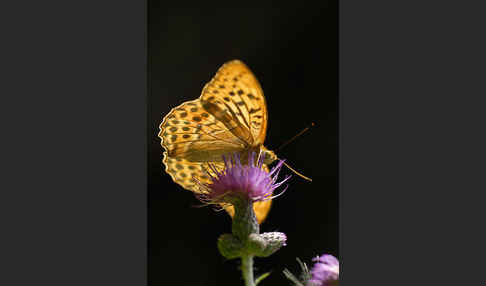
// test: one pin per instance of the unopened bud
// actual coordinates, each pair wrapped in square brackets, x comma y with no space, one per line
[266,244]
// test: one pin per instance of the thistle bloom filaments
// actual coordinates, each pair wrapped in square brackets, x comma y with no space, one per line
[325,272]
[237,181]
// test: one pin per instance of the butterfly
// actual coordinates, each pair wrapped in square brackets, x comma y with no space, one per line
[230,116]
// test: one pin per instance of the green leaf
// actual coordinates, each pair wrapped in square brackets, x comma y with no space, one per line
[263,276]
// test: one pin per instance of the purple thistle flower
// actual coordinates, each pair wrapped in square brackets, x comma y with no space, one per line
[237,181]
[325,271]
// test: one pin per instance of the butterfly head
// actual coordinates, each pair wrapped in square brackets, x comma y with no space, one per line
[269,155]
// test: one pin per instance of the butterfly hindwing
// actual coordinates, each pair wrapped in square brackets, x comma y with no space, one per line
[183,172]
[190,132]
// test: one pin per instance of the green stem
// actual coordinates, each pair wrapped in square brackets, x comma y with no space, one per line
[245,224]
[247,270]
[244,220]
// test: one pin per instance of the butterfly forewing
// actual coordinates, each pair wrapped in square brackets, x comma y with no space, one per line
[236,98]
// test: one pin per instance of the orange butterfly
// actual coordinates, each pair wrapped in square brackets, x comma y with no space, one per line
[230,116]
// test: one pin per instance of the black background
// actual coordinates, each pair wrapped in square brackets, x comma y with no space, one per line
[293,53]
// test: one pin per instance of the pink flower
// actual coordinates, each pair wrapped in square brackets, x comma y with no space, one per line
[325,271]
[237,181]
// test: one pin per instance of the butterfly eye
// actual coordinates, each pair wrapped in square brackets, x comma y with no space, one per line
[268,156]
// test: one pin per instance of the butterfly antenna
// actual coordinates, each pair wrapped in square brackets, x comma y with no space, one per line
[293,138]
[299,174]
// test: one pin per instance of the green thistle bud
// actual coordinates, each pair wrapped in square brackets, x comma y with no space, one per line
[266,244]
